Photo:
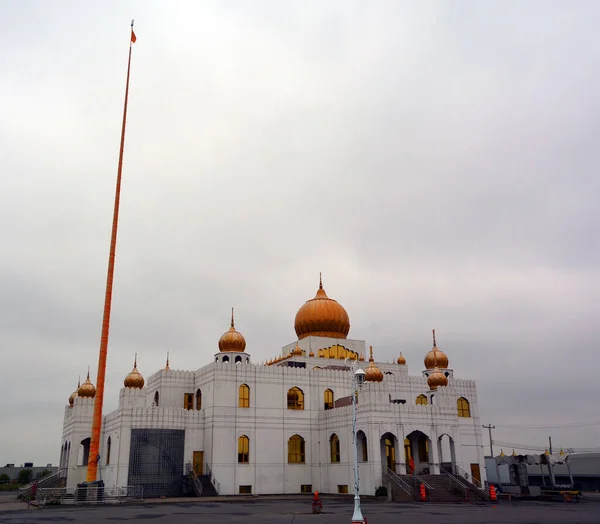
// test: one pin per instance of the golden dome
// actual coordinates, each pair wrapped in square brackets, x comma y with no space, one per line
[361,358]
[87,389]
[373,373]
[74,395]
[134,379]
[312,353]
[401,360]
[297,351]
[322,317]
[435,355]
[232,340]
[437,379]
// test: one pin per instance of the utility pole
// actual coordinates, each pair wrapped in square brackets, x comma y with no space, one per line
[489,427]
[550,441]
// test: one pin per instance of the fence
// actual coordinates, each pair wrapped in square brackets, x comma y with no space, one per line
[89,495]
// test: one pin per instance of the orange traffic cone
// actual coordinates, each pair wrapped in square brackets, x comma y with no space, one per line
[317,505]
[422,493]
[493,496]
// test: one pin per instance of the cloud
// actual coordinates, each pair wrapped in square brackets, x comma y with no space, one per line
[436,162]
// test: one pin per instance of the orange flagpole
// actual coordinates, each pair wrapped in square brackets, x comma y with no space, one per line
[99,399]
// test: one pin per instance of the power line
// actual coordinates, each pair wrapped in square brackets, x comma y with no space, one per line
[546,426]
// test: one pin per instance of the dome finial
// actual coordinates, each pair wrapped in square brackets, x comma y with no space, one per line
[135,361]
[88,375]
[436,357]
[320,280]
[371,359]
[232,322]
[232,340]
[78,381]
[134,379]
[434,343]
[167,368]
[373,373]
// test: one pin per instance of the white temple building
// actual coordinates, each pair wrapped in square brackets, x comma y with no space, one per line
[284,426]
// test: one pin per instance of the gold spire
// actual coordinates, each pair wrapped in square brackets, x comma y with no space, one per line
[134,379]
[232,340]
[436,355]
[167,368]
[87,389]
[373,373]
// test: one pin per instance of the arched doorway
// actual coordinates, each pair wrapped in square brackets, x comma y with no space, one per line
[417,449]
[446,453]
[388,450]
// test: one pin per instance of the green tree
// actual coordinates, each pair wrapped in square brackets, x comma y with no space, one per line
[4,479]
[43,473]
[25,476]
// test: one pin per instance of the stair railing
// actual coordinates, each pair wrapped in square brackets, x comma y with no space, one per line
[402,484]
[195,480]
[454,481]
[212,478]
[420,480]
[26,490]
[473,482]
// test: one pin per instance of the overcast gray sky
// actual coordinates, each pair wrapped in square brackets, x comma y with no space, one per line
[437,161]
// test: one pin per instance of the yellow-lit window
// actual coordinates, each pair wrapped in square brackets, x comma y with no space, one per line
[343,488]
[295,399]
[188,401]
[244,396]
[296,450]
[245,490]
[421,400]
[464,410]
[198,400]
[243,450]
[328,397]
[334,447]
[306,488]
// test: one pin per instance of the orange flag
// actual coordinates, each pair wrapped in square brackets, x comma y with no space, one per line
[133,37]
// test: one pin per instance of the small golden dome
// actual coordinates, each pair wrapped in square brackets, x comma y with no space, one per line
[513,453]
[74,395]
[297,351]
[232,340]
[435,355]
[361,358]
[312,353]
[401,360]
[373,373]
[134,379]
[437,379]
[501,452]
[87,389]
[322,317]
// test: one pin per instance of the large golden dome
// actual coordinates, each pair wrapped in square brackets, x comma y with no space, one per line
[87,389]
[436,358]
[134,379]
[322,317]
[232,340]
[373,373]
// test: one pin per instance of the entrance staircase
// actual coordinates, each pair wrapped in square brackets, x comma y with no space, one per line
[55,480]
[438,488]
[202,484]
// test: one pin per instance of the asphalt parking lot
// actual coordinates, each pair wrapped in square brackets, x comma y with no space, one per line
[299,512]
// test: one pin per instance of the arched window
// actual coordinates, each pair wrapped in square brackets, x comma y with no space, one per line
[296,450]
[226,359]
[464,410]
[108,444]
[243,450]
[84,452]
[328,397]
[295,398]
[198,400]
[244,396]
[238,360]
[421,400]
[156,399]
[334,448]
[363,455]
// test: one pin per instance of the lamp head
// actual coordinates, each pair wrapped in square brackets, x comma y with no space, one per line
[359,375]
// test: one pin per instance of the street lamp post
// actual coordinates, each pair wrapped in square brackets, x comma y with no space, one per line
[358,379]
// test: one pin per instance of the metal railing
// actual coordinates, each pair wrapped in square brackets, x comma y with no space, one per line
[213,479]
[88,495]
[461,472]
[454,481]
[41,482]
[195,480]
[402,484]
[420,480]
